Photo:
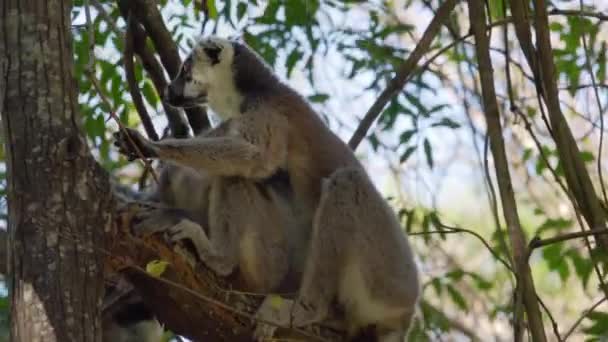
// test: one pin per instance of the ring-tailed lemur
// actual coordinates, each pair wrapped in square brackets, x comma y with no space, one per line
[358,253]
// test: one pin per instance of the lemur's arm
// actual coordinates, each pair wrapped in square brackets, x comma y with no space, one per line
[253,148]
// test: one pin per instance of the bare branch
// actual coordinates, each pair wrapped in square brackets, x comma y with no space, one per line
[577,177]
[525,284]
[149,15]
[537,242]
[179,128]
[404,72]
[599,107]
[138,101]
[581,13]
[580,319]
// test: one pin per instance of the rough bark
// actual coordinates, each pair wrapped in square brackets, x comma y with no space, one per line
[58,199]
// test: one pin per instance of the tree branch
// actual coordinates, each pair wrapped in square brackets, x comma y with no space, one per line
[148,14]
[188,298]
[404,72]
[577,177]
[525,284]
[537,242]
[178,126]
[138,101]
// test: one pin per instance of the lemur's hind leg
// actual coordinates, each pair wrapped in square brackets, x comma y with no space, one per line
[358,257]
[325,259]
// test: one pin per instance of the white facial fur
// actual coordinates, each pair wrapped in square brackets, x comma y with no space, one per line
[216,80]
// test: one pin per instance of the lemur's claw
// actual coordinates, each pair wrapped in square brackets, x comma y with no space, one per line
[132,144]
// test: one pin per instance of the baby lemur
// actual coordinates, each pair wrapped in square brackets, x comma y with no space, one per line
[358,254]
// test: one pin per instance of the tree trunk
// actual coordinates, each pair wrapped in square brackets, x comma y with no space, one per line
[59,200]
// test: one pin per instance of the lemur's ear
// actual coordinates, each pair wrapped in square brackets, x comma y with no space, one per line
[213,52]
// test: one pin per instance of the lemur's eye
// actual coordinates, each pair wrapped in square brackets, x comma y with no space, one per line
[213,52]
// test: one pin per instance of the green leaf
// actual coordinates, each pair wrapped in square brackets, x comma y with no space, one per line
[373,140]
[212,9]
[457,297]
[407,154]
[156,267]
[496,9]
[406,136]
[428,151]
[292,59]
[582,266]
[557,224]
[241,10]
[150,94]
[447,122]
[527,154]
[599,326]
[300,12]
[270,13]
[587,156]
[601,62]
[540,165]
[318,98]
[555,260]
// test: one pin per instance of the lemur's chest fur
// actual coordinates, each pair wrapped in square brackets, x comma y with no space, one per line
[225,102]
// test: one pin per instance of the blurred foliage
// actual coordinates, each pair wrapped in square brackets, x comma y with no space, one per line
[432,124]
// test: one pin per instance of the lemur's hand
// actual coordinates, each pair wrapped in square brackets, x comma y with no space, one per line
[133,145]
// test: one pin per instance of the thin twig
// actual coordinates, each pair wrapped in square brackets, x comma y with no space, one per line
[551,318]
[454,230]
[537,242]
[405,70]
[581,13]
[599,106]
[121,127]
[575,171]
[138,101]
[580,319]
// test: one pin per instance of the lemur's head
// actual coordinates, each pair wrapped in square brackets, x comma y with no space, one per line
[216,62]
[209,61]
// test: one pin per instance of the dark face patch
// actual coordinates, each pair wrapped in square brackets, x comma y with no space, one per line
[186,71]
[213,52]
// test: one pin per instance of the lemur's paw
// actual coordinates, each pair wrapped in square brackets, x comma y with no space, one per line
[305,313]
[186,230]
[275,310]
[132,144]
[148,221]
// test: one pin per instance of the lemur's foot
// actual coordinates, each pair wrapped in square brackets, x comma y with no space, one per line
[133,145]
[275,310]
[304,313]
[186,229]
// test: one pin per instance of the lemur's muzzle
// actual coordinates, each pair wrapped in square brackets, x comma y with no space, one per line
[174,96]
